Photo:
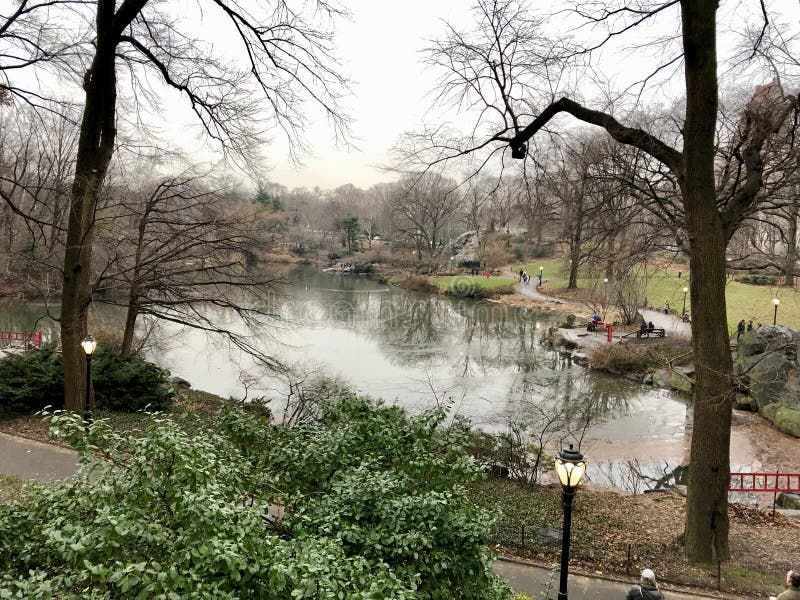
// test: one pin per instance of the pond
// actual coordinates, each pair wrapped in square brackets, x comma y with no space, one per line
[482,360]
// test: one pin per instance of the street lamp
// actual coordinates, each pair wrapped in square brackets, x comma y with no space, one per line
[775,301]
[685,289]
[570,468]
[89,345]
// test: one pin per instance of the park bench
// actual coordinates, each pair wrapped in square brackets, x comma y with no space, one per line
[646,333]
[655,332]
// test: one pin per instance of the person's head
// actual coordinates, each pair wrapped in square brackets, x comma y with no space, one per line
[648,577]
[793,579]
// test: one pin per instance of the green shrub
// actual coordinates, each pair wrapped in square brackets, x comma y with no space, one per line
[129,384]
[469,264]
[373,506]
[541,251]
[33,380]
[759,279]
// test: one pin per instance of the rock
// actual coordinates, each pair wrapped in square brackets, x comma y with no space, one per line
[787,500]
[788,512]
[579,358]
[464,248]
[742,402]
[662,377]
[547,536]
[766,361]
[785,418]
[179,383]
[681,489]
[680,380]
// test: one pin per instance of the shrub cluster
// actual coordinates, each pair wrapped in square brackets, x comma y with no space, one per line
[359,502]
[419,283]
[759,279]
[641,358]
[33,380]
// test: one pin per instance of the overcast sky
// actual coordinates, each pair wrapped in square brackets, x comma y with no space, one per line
[379,51]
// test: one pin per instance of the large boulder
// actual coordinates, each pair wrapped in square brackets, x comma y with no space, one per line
[785,418]
[682,379]
[464,248]
[766,362]
[662,377]
[787,500]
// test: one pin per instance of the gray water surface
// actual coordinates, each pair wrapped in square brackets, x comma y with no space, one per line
[482,360]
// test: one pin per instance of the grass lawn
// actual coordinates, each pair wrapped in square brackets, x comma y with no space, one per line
[460,282]
[744,301]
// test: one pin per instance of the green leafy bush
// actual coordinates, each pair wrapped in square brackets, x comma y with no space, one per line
[129,384]
[759,279]
[33,380]
[361,502]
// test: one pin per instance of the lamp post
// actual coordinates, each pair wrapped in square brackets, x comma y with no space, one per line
[775,301]
[570,468]
[685,289]
[89,345]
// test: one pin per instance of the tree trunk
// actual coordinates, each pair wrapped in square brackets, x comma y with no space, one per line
[791,247]
[707,526]
[130,321]
[95,148]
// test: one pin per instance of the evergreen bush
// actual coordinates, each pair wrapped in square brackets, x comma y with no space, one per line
[33,380]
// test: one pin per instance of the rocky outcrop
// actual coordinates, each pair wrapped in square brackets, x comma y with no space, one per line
[464,248]
[785,418]
[766,363]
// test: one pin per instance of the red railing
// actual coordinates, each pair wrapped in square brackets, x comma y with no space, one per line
[764,482]
[29,340]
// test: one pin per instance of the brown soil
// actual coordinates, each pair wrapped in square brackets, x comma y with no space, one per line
[607,526]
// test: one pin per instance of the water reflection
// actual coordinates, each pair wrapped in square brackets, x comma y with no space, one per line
[482,358]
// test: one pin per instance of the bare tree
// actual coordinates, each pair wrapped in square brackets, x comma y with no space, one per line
[423,206]
[178,250]
[288,61]
[504,125]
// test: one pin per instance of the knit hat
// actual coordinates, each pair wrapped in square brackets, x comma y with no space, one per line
[648,577]
[794,578]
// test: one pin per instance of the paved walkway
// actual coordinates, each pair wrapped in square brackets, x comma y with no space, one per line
[671,324]
[533,581]
[29,459]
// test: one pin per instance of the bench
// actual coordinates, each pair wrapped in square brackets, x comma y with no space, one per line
[655,332]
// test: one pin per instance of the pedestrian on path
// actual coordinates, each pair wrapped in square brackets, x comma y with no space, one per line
[646,589]
[740,329]
[666,307]
[792,591]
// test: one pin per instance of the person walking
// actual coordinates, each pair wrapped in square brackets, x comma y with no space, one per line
[666,307]
[646,589]
[792,591]
[740,329]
